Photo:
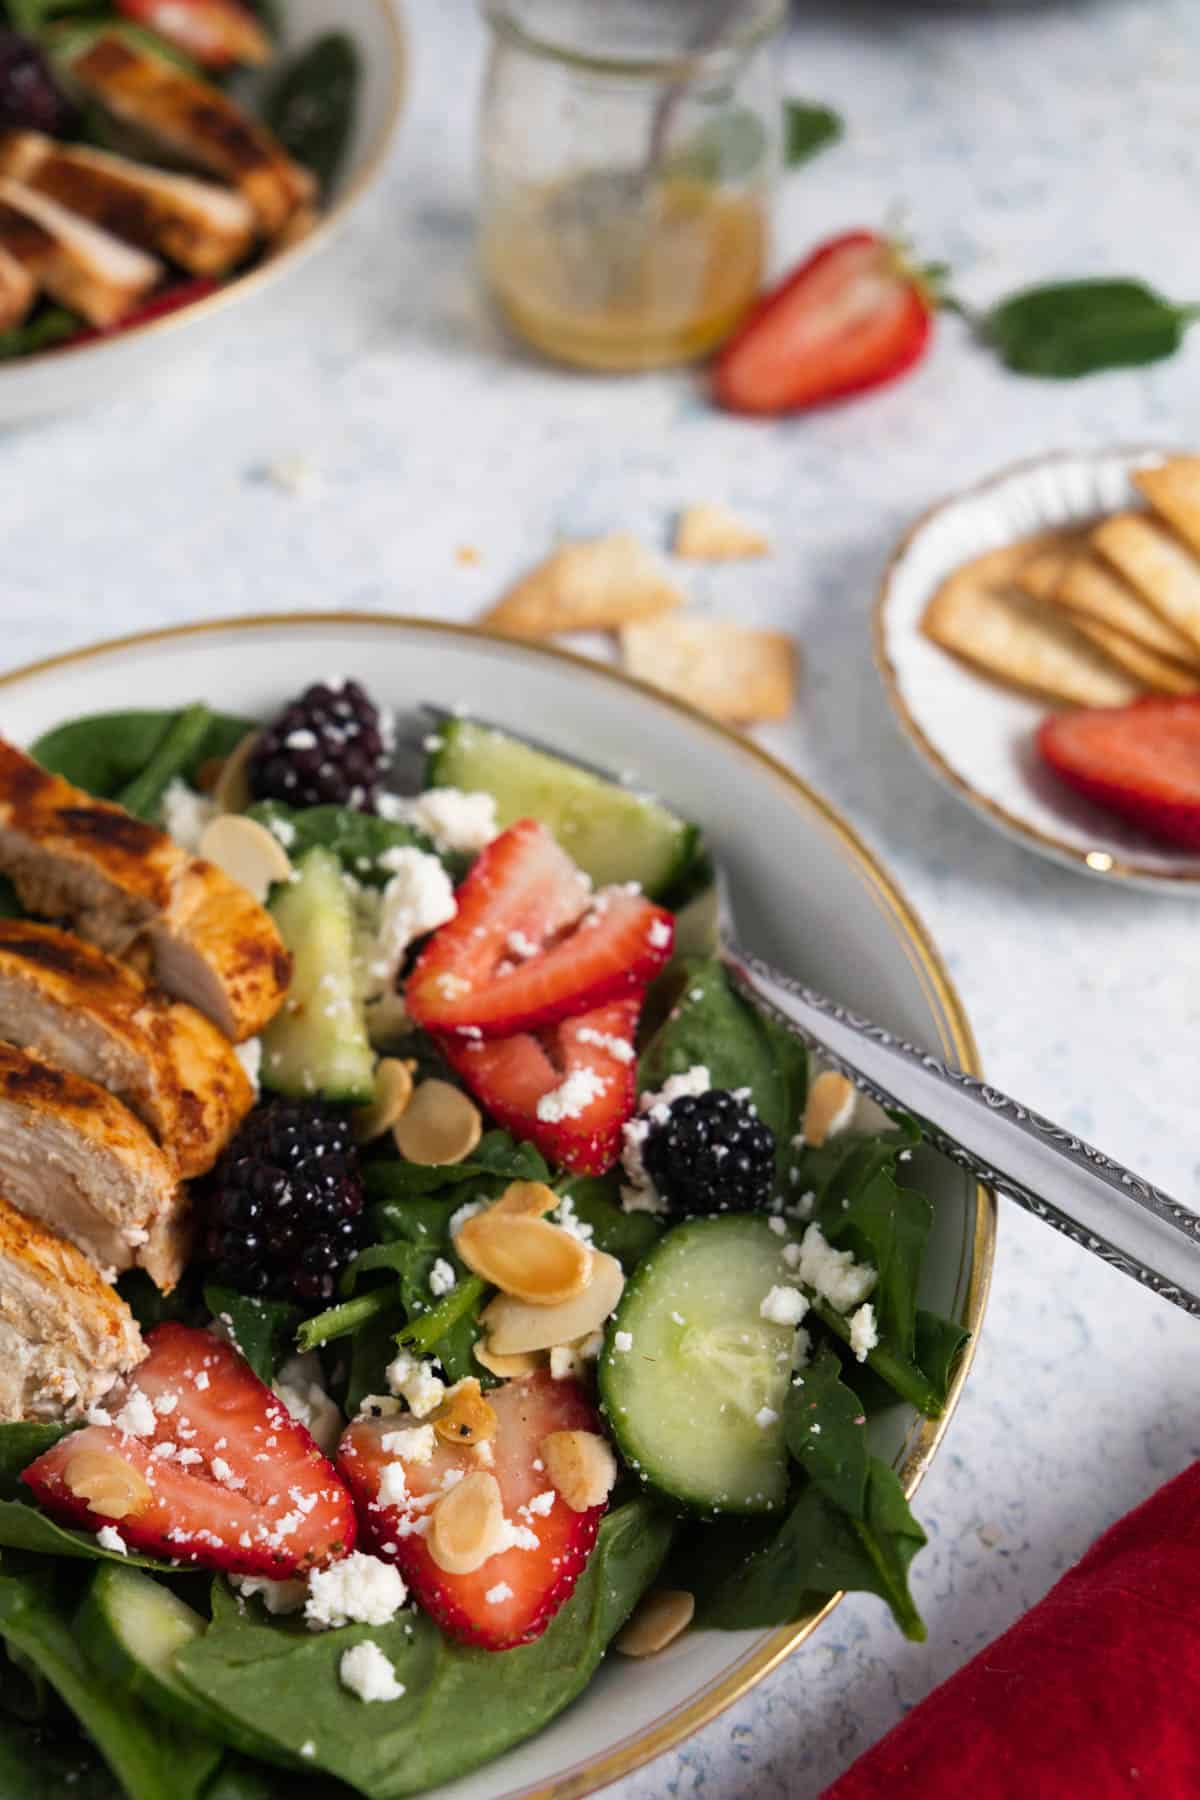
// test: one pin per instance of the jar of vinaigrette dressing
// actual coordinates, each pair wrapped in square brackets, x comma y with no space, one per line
[628,153]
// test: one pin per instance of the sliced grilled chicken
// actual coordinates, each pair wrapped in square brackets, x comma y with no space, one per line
[65,1336]
[72,1156]
[81,1009]
[196,122]
[197,224]
[18,291]
[87,269]
[115,878]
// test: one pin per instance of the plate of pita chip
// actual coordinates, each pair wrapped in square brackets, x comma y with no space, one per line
[1072,581]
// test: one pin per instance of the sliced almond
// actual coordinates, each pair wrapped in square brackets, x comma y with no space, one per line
[393,1091]
[464,1417]
[111,1486]
[581,1466]
[466,1525]
[439,1126]
[515,1327]
[506,1368]
[247,852]
[830,1108]
[533,1198]
[231,789]
[658,1619]
[526,1257]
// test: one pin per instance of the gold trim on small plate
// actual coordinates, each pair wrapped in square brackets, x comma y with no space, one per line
[957,1045]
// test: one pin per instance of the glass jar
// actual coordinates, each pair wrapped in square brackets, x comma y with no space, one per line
[627,158]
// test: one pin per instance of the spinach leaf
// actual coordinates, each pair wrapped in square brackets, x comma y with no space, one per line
[372,1348]
[347,1317]
[818,1551]
[312,105]
[496,1160]
[150,1307]
[826,1433]
[627,1236]
[103,752]
[285,1683]
[449,1329]
[887,1226]
[49,326]
[23,1527]
[151,1759]
[21,1444]
[938,1342]
[175,751]
[48,1764]
[808,129]
[261,1330]
[840,1167]
[896,1370]
[357,839]
[1072,328]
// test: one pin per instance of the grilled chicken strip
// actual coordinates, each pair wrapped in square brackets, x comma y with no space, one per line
[196,122]
[65,1336]
[81,266]
[72,1156]
[115,878]
[18,290]
[74,1006]
[202,227]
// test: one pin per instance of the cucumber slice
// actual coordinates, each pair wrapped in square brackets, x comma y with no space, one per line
[685,1400]
[130,1627]
[613,833]
[317,1045]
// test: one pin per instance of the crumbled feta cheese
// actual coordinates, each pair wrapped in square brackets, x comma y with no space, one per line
[864,1333]
[96,1415]
[778,1226]
[565,1362]
[416,1383]
[571,1099]
[541,1504]
[638,1193]
[165,1405]
[523,947]
[496,1596]
[250,1056]
[834,1273]
[589,1347]
[791,1255]
[393,1488]
[298,1386]
[453,819]
[623,1342]
[783,1306]
[359,1590]
[276,1596]
[367,1672]
[458,1219]
[620,1049]
[224,1474]
[109,1538]
[378,1406]
[136,1417]
[566,1217]
[202,1381]
[308,1748]
[415,1444]
[802,1348]
[418,898]
[765,1417]
[186,814]
[659,934]
[485,1456]
[442,1278]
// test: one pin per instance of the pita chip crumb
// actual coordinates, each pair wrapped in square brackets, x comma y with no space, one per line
[598,584]
[738,674]
[714,534]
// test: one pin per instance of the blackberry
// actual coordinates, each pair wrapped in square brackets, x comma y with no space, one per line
[279,1215]
[711,1154]
[328,748]
[30,97]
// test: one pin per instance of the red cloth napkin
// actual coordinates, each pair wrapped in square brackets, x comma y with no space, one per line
[1094,1694]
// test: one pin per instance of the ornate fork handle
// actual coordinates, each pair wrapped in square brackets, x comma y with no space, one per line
[1116,1215]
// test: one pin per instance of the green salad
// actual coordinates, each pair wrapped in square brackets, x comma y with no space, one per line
[539,1295]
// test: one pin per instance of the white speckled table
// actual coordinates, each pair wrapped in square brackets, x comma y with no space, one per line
[1061,139]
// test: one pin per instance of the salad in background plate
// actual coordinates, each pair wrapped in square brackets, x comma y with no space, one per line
[453,1277]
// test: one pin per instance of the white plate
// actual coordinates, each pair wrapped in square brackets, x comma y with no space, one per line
[807,894]
[976,735]
[57,381]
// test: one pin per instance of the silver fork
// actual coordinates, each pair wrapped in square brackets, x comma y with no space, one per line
[1106,1209]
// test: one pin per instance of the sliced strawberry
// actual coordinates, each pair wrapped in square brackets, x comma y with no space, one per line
[526,1584]
[1142,761]
[217,33]
[529,945]
[212,1468]
[853,316]
[568,1090]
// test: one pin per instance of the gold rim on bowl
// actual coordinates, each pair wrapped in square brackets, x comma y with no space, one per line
[957,1044]
[1103,864]
[274,263]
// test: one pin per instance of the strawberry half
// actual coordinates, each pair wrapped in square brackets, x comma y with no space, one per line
[201,1463]
[513,1596]
[567,1090]
[853,316]
[217,33]
[530,944]
[1142,761]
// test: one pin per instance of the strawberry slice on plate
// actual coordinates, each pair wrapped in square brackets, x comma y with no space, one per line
[1142,761]
[512,1596]
[853,316]
[530,944]
[201,1463]
[568,1090]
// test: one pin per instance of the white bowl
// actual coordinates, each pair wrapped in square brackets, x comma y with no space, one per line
[808,895]
[973,733]
[59,380]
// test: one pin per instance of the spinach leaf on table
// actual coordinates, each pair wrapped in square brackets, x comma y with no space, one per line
[1071,328]
[285,1683]
[105,751]
[807,130]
